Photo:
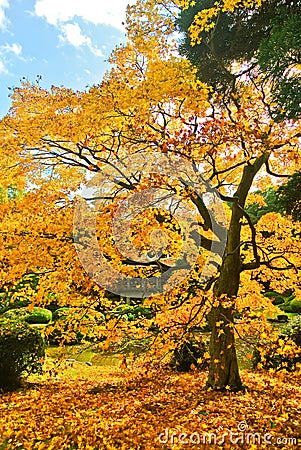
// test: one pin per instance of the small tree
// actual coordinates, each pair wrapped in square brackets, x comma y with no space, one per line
[21,353]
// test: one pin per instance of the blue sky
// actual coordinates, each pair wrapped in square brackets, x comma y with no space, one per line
[66,42]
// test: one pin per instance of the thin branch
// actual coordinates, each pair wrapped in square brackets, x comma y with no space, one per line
[270,172]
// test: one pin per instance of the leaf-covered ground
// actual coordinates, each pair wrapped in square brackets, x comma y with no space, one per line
[110,408]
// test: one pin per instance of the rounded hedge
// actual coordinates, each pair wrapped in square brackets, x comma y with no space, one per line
[19,314]
[131,312]
[22,352]
[295,306]
[36,316]
[286,308]
[278,301]
[292,306]
[39,315]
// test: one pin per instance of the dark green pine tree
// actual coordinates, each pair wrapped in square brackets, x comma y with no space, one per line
[266,37]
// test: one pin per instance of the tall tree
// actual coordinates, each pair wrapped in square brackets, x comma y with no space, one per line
[151,103]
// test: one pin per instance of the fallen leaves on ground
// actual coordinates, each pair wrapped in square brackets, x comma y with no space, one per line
[93,409]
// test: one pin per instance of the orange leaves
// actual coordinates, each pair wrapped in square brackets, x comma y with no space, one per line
[103,408]
[149,100]
[36,239]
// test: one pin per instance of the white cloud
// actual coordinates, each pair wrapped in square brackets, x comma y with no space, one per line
[14,48]
[3,69]
[95,11]
[6,51]
[3,19]
[96,51]
[72,34]
[61,13]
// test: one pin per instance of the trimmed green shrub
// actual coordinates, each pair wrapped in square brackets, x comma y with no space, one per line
[278,301]
[292,306]
[295,306]
[271,294]
[287,301]
[19,314]
[36,316]
[39,315]
[286,308]
[21,352]
[131,312]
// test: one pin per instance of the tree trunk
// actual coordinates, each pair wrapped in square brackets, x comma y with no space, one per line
[223,369]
